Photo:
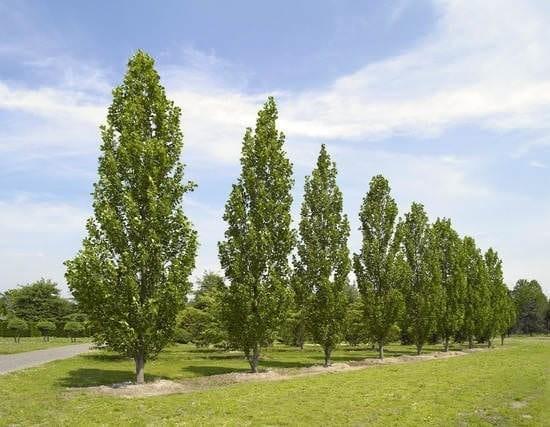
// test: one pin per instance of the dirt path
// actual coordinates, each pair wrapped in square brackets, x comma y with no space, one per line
[17,361]
[162,387]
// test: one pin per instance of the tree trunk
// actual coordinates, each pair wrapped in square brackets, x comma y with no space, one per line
[328,352]
[489,343]
[381,351]
[446,343]
[502,339]
[470,342]
[140,368]
[418,349]
[254,359]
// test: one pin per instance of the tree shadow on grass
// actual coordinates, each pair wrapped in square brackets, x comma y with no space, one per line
[106,357]
[89,377]
[227,356]
[206,371]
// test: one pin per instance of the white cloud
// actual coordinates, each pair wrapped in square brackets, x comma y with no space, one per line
[485,64]
[537,164]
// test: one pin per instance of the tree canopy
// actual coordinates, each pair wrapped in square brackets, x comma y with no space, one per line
[323,262]
[131,276]
[36,301]
[258,239]
[379,266]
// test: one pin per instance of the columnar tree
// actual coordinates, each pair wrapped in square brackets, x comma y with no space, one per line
[379,266]
[448,252]
[497,294]
[422,289]
[506,315]
[258,239]
[323,262]
[475,295]
[131,275]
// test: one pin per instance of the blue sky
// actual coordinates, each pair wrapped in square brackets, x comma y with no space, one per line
[449,99]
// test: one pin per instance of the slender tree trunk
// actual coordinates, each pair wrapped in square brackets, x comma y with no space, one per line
[470,342]
[502,339]
[254,359]
[418,349]
[489,343]
[446,343]
[328,352]
[381,351]
[140,368]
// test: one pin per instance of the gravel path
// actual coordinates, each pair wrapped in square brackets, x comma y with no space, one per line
[17,361]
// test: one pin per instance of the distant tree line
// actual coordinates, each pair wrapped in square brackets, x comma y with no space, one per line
[416,281]
[38,309]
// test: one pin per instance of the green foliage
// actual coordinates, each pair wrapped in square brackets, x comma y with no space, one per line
[355,332]
[202,326]
[379,266]
[17,327]
[210,285]
[3,305]
[323,262]
[448,247]
[531,306]
[37,301]
[498,296]
[46,328]
[131,275]
[476,295]
[258,239]
[422,289]
[201,322]
[74,329]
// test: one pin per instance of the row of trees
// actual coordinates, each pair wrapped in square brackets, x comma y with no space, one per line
[39,307]
[131,276]
[423,277]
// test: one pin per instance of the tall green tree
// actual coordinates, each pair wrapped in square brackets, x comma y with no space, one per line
[530,304]
[379,266]
[476,302]
[448,252]
[497,294]
[258,239]
[506,315]
[131,276]
[422,289]
[323,262]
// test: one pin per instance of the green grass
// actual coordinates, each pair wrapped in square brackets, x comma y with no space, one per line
[508,386]
[8,346]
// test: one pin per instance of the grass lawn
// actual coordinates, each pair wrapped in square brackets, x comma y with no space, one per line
[508,386]
[8,346]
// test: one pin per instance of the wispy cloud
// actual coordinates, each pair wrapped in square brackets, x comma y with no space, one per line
[485,65]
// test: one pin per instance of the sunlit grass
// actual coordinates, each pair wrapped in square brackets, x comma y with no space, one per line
[505,386]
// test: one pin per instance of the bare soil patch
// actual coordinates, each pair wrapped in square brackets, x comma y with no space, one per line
[163,387]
